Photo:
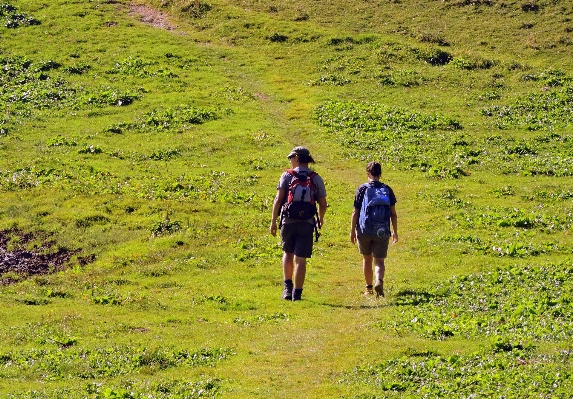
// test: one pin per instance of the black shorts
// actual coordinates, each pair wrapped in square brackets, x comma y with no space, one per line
[297,238]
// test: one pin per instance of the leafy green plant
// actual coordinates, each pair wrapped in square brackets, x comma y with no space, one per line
[550,78]
[433,376]
[165,155]
[77,69]
[50,293]
[166,226]
[131,66]
[32,300]
[59,141]
[504,191]
[202,389]
[472,64]
[89,221]
[373,117]
[490,95]
[109,96]
[433,56]
[405,78]
[236,93]
[331,80]
[535,111]
[106,361]
[103,298]
[90,149]
[15,19]
[196,9]
[511,217]
[3,128]
[550,195]
[173,118]
[521,304]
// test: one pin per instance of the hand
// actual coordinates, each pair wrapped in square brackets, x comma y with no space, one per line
[394,238]
[273,228]
[353,236]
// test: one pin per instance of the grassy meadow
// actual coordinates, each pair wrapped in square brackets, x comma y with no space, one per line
[141,143]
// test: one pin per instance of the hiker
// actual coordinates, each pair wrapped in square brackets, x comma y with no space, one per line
[299,191]
[374,210]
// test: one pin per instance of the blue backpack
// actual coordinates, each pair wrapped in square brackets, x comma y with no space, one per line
[375,213]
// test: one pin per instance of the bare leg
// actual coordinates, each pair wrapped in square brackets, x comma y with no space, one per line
[367,268]
[380,269]
[288,265]
[299,272]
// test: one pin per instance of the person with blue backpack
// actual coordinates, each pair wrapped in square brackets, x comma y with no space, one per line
[300,203]
[374,212]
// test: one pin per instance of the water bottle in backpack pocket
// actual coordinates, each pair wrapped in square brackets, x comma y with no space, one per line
[375,212]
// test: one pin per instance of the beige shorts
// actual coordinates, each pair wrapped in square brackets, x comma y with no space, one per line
[372,245]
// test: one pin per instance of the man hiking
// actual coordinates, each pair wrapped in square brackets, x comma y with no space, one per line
[300,203]
[374,211]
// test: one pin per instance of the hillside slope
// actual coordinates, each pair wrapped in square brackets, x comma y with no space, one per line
[140,147]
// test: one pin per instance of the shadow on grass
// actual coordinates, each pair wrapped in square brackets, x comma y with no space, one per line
[409,297]
[354,307]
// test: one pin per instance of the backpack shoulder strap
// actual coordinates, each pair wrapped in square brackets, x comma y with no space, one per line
[311,177]
[296,174]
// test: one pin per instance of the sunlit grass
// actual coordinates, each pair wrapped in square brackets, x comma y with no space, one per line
[154,155]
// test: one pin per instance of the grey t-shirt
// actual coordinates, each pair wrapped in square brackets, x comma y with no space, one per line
[320,189]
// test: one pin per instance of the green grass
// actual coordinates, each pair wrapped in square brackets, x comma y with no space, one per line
[152,157]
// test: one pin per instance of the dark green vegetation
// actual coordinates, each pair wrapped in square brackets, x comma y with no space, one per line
[139,160]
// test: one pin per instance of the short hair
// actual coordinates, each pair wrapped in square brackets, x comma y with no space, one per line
[374,169]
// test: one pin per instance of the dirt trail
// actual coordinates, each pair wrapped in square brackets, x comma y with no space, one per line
[151,16]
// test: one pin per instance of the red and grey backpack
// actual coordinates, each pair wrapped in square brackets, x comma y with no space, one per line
[300,203]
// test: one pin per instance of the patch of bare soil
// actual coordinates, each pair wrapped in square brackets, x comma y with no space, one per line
[18,262]
[151,16]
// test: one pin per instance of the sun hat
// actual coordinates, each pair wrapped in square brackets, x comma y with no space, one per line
[301,151]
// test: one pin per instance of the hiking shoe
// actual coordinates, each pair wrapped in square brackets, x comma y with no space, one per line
[368,290]
[297,295]
[287,293]
[379,288]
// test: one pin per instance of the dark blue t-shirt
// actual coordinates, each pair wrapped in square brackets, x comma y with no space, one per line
[362,189]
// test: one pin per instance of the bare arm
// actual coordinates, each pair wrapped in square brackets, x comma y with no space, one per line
[353,223]
[394,220]
[276,210]
[322,205]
